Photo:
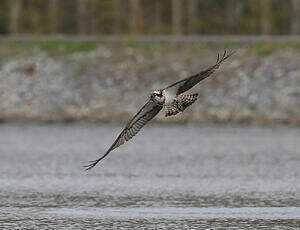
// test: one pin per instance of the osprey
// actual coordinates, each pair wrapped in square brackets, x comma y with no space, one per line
[172,98]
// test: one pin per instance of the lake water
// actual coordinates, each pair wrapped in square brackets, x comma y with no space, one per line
[167,177]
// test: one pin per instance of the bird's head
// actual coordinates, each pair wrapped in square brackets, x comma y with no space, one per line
[158,97]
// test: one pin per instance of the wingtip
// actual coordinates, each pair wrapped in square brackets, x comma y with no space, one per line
[95,162]
[231,52]
[218,58]
[226,54]
[91,165]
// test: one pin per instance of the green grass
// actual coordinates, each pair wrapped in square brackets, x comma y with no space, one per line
[130,43]
[261,49]
[61,48]
[56,48]
[264,49]
[23,50]
[15,50]
[268,48]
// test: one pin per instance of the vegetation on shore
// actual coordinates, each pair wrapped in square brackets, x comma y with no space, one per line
[57,48]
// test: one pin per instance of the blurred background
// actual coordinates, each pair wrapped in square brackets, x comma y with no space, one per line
[150,17]
[95,60]
[73,72]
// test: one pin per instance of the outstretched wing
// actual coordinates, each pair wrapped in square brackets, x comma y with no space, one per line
[146,113]
[187,83]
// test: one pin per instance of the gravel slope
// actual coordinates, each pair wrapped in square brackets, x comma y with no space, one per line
[110,83]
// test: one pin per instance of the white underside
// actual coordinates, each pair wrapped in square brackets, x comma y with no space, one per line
[169,98]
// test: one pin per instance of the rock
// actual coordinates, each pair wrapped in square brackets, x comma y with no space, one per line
[111,83]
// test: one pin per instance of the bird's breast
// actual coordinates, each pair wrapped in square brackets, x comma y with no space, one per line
[169,99]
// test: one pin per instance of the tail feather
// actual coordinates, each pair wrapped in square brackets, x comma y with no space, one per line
[184,101]
[187,99]
[171,110]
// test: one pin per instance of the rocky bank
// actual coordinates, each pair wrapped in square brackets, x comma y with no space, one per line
[110,83]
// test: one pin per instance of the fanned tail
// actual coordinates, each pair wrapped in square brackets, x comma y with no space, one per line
[171,110]
[183,101]
[187,99]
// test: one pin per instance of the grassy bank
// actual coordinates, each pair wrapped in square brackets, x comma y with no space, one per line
[58,48]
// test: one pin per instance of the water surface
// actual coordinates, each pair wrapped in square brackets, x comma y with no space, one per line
[166,177]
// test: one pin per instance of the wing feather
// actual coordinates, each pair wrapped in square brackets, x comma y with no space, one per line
[182,86]
[146,113]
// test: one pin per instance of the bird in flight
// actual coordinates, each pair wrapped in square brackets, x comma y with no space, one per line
[173,98]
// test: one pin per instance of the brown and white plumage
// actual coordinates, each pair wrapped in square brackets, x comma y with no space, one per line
[171,97]
[183,85]
[184,101]
[146,113]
